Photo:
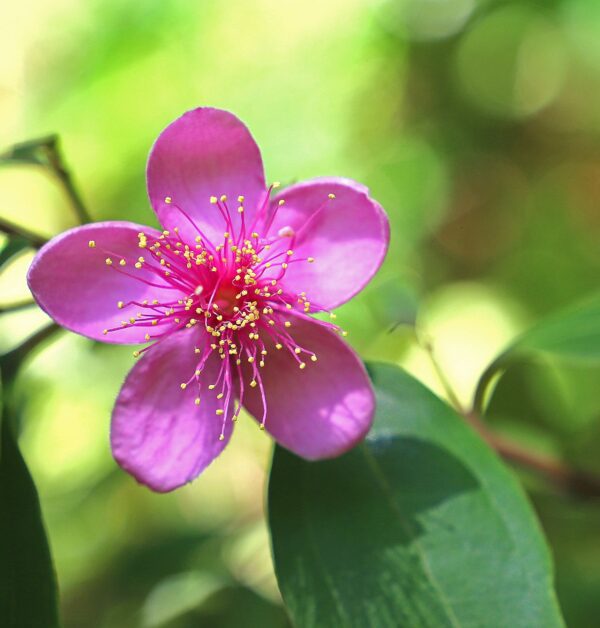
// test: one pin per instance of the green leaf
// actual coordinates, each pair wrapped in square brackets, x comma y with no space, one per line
[572,335]
[27,582]
[421,525]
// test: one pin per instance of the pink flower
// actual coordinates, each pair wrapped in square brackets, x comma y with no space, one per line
[223,297]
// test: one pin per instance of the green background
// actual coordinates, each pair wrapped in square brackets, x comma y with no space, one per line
[474,123]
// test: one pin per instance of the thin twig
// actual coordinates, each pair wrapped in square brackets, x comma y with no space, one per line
[556,471]
[11,361]
[15,307]
[44,152]
[10,228]
[57,166]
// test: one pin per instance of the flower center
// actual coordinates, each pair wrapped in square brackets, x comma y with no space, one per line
[235,290]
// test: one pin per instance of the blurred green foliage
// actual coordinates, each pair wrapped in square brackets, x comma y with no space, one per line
[475,123]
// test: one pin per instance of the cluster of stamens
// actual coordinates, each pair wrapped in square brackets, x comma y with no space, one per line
[233,290]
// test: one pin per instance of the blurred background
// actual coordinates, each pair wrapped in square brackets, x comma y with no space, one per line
[475,123]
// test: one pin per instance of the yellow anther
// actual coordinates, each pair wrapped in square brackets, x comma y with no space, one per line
[122,262]
[240,199]
[290,252]
[214,200]
[138,264]
[313,358]
[281,202]
[147,337]
[221,437]
[223,198]
[183,386]
[168,199]
[297,350]
[136,354]
[219,411]
[284,265]
[261,427]
[197,401]
[310,260]
[220,396]
[240,209]
[332,196]
[278,346]
[250,359]
[92,244]
[120,305]
[344,333]
[211,386]
[287,324]
[197,372]
[332,316]
[105,331]
[276,184]
[302,365]
[108,261]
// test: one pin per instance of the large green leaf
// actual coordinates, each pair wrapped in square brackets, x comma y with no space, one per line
[572,335]
[419,526]
[27,582]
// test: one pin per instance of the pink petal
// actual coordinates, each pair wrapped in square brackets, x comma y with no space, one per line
[72,283]
[347,236]
[206,152]
[158,433]
[320,411]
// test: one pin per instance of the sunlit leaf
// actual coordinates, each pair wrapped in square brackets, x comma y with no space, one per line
[421,525]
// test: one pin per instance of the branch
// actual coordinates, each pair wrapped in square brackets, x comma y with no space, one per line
[15,307]
[57,166]
[44,152]
[556,471]
[8,227]
[11,361]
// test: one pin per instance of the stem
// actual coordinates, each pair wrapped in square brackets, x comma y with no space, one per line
[15,307]
[44,152]
[57,166]
[8,227]
[555,471]
[11,361]
[427,344]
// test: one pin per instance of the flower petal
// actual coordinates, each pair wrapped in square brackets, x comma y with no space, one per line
[206,152]
[158,433]
[73,284]
[348,237]
[322,410]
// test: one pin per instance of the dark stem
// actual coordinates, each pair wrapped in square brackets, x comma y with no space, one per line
[36,241]
[11,361]
[15,307]
[57,166]
[44,152]
[556,471]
